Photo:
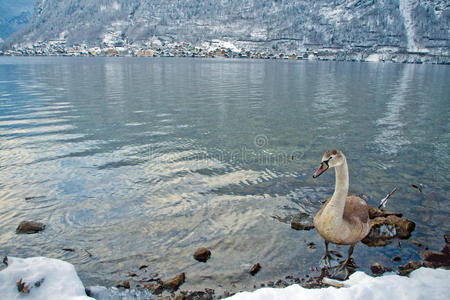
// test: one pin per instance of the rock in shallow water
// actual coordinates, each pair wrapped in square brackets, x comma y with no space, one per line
[173,283]
[408,268]
[302,221]
[202,254]
[255,269]
[377,269]
[438,259]
[386,226]
[29,227]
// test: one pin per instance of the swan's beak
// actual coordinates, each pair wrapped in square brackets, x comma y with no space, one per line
[322,168]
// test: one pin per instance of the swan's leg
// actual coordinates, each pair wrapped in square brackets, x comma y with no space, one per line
[350,252]
[327,257]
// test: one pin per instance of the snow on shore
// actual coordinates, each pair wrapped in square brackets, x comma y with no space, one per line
[45,278]
[424,283]
[58,280]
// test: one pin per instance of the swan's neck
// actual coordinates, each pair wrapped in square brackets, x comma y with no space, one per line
[337,202]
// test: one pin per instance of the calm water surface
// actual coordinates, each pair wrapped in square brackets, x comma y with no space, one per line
[142,161]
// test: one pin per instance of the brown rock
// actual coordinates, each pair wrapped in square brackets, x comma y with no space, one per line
[124,284]
[255,269]
[378,269]
[202,254]
[408,268]
[29,227]
[302,221]
[384,229]
[403,226]
[396,258]
[172,284]
[446,248]
[155,288]
[436,259]
[376,212]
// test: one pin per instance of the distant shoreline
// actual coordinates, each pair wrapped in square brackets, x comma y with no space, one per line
[357,54]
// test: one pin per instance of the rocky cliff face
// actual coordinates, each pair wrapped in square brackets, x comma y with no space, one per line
[271,25]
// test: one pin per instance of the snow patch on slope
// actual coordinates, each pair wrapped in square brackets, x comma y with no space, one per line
[405,10]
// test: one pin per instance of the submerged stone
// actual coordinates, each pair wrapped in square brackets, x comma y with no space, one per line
[29,227]
[302,221]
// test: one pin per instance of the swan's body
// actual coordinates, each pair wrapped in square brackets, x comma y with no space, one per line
[343,219]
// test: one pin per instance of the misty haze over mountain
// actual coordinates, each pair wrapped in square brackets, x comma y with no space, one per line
[14,14]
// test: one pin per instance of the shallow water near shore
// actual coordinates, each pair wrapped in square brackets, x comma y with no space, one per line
[140,161]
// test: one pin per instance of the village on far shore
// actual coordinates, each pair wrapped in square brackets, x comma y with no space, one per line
[217,48]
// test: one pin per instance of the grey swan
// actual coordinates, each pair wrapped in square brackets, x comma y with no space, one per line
[343,219]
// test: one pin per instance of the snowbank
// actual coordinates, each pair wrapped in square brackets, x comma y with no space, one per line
[46,278]
[423,283]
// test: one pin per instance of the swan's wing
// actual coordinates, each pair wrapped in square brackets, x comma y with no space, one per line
[356,210]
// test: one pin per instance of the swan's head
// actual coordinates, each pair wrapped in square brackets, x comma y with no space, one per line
[330,159]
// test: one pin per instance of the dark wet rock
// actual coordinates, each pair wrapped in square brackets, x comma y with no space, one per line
[255,269]
[438,259]
[195,295]
[142,267]
[384,229]
[281,283]
[271,283]
[132,274]
[173,283]
[68,249]
[125,284]
[154,288]
[5,260]
[377,269]
[409,267]
[302,221]
[202,254]
[29,227]
[376,213]
[396,259]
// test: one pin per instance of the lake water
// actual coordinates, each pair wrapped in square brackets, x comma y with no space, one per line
[134,161]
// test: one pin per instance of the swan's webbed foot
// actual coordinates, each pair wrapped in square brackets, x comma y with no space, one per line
[343,271]
[325,261]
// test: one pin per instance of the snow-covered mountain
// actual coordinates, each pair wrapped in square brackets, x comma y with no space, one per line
[271,25]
